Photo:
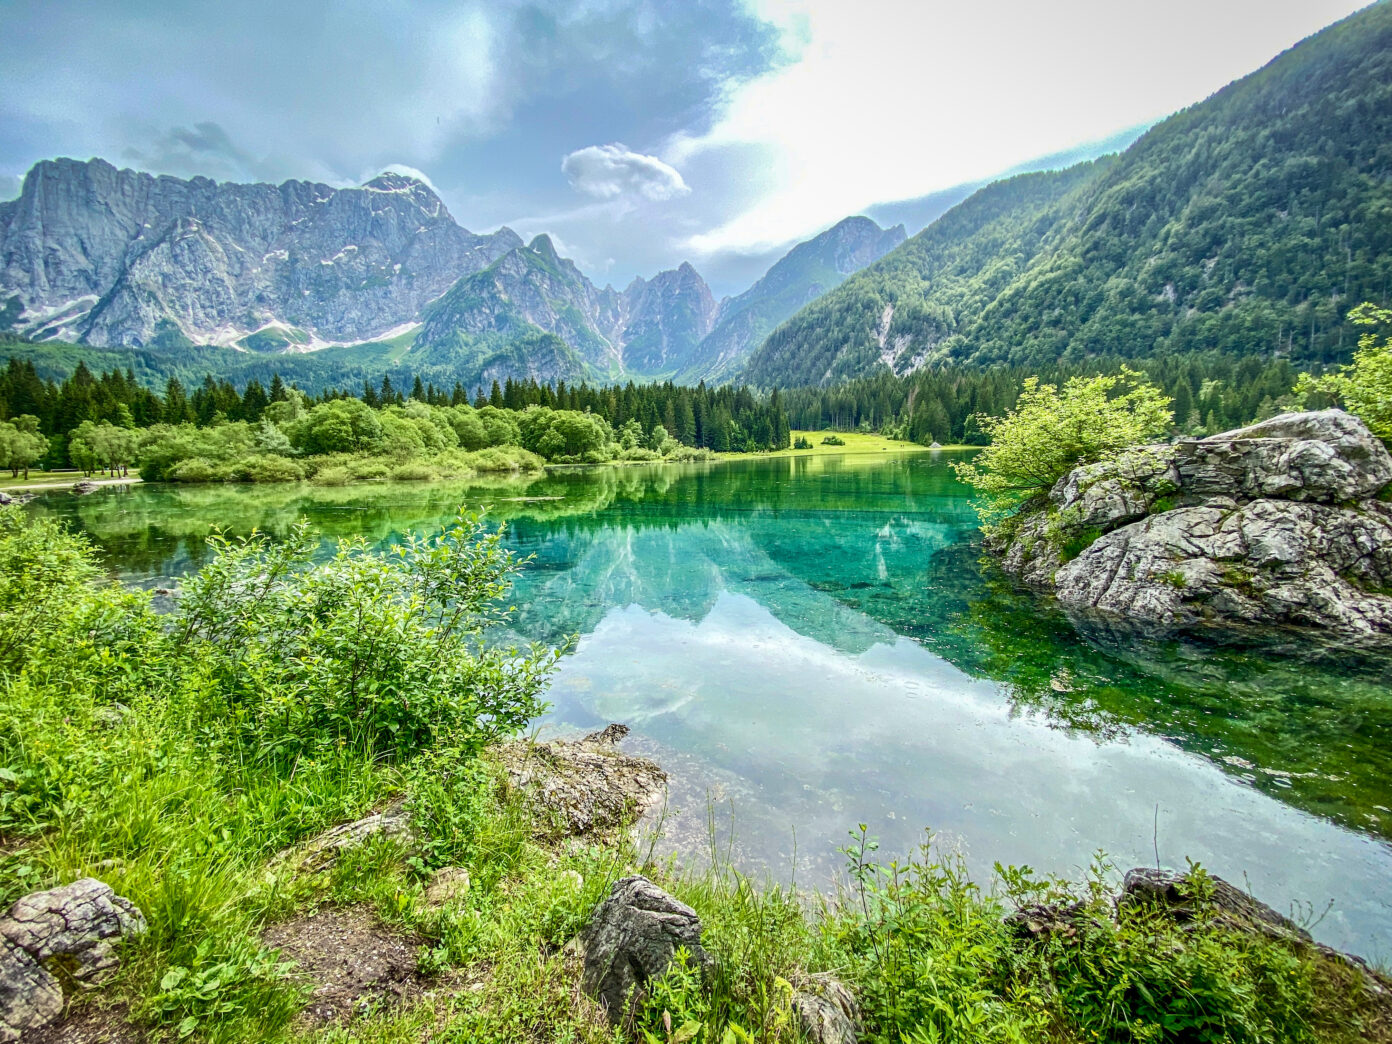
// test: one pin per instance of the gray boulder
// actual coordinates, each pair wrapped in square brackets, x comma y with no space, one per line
[322,853]
[632,938]
[582,788]
[72,931]
[1175,893]
[826,1011]
[1266,562]
[1275,526]
[1327,456]
[1117,491]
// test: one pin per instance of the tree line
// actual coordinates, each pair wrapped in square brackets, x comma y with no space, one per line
[1211,392]
[724,419]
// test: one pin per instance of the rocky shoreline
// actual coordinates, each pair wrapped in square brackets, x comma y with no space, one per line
[1282,527]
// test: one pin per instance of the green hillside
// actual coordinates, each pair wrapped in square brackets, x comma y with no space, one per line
[1248,223]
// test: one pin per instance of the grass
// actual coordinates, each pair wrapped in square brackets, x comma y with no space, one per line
[856,442]
[49,479]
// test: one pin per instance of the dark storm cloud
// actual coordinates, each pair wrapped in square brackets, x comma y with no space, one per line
[491,94]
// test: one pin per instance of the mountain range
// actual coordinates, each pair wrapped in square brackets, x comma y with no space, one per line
[1249,223]
[106,257]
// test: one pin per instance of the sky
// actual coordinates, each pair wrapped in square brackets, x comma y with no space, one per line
[638,134]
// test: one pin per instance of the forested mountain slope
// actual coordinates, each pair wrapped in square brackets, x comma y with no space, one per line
[802,275]
[1247,223]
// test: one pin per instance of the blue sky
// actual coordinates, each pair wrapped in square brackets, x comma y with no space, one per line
[639,134]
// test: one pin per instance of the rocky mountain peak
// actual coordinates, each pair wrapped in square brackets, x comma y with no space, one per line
[542,245]
[108,257]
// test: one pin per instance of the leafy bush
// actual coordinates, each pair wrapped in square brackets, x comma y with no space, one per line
[267,468]
[686,454]
[802,442]
[1049,433]
[833,440]
[1365,386]
[377,650]
[413,471]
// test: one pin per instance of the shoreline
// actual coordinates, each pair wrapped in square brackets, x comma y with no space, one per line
[62,481]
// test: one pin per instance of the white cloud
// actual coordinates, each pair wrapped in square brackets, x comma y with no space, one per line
[891,99]
[617,172]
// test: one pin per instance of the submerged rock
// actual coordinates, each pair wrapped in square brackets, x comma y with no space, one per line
[585,787]
[73,932]
[1274,525]
[632,938]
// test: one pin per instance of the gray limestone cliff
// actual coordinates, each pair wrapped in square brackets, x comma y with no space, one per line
[104,256]
[1277,527]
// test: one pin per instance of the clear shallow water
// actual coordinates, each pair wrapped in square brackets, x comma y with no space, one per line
[811,643]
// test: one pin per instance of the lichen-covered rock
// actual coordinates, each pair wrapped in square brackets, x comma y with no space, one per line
[72,930]
[826,1011]
[1327,456]
[1272,526]
[632,938]
[1265,562]
[585,787]
[30,996]
[1117,491]
[446,884]
[322,853]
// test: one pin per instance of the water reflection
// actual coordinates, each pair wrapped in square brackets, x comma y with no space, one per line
[817,639]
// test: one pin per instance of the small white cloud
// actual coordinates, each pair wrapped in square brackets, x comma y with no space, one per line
[614,171]
[411,172]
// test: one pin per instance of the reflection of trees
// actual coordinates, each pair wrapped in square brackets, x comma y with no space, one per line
[1311,734]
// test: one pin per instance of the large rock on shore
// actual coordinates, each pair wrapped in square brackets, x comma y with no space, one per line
[632,939]
[68,933]
[582,788]
[1276,525]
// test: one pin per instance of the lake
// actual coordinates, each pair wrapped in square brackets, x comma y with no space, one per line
[809,643]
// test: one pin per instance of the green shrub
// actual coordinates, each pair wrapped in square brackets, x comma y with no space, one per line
[414,471]
[1051,432]
[833,440]
[268,468]
[369,469]
[1077,541]
[197,469]
[504,459]
[334,475]
[684,454]
[379,650]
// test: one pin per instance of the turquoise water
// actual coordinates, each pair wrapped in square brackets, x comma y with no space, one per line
[811,643]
